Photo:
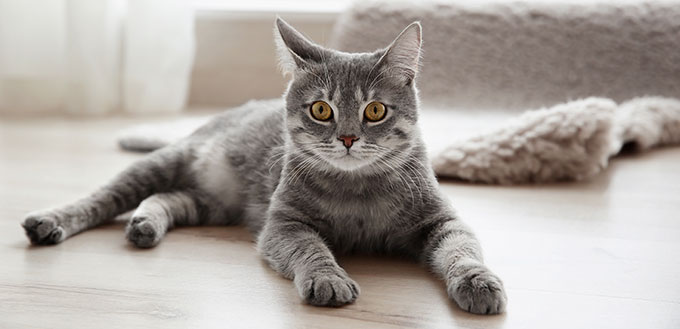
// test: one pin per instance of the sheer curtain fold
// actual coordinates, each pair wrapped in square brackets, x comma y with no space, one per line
[95,57]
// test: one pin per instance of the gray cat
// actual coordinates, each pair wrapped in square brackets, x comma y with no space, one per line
[337,167]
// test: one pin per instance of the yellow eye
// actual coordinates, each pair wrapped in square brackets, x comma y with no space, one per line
[375,111]
[321,111]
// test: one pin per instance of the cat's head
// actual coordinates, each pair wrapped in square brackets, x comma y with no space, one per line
[352,111]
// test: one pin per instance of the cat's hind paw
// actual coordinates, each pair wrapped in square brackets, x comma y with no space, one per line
[43,229]
[328,288]
[143,232]
[479,291]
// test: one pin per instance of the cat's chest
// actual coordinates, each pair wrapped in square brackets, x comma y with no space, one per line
[357,216]
[357,208]
[370,205]
[359,225]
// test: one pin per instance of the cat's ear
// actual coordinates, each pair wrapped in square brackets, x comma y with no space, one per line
[402,57]
[294,49]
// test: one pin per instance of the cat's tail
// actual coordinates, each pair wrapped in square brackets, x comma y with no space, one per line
[150,137]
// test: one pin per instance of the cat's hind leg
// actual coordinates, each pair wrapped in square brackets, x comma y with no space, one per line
[155,173]
[161,212]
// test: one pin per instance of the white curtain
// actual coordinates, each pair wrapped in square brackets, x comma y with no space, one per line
[95,56]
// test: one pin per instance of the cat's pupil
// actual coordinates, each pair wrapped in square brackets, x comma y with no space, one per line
[375,109]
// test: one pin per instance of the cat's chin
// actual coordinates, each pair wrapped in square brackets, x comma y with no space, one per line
[349,163]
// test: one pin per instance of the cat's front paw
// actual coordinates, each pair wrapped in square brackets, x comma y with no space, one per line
[43,228]
[327,287]
[478,291]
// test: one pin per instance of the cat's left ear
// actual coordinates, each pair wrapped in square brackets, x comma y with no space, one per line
[402,57]
[294,49]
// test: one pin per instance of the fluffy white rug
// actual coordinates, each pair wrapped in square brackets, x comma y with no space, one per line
[569,141]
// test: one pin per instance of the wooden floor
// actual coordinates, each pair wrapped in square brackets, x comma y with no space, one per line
[599,254]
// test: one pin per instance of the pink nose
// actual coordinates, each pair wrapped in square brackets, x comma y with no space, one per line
[348,140]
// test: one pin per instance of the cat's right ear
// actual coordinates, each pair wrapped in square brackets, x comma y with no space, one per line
[402,56]
[295,51]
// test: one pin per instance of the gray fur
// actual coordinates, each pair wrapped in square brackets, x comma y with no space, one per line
[287,177]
